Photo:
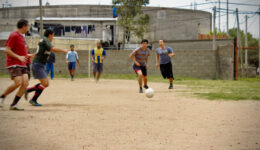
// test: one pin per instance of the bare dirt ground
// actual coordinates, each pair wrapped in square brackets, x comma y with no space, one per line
[112,115]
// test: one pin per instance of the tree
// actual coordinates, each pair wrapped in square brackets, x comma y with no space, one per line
[131,18]
[252,42]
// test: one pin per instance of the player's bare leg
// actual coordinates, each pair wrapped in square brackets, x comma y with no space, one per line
[44,82]
[171,80]
[23,86]
[94,74]
[17,83]
[98,76]
[145,82]
[140,80]
[72,74]
[23,82]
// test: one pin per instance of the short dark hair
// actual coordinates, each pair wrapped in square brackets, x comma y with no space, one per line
[21,23]
[71,45]
[144,40]
[48,32]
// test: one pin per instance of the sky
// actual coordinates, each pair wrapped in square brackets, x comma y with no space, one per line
[253,21]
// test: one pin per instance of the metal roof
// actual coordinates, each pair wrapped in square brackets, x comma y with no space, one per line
[75,19]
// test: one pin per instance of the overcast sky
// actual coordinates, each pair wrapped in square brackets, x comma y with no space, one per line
[253,21]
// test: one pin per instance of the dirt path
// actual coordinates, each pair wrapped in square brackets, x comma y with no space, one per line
[111,115]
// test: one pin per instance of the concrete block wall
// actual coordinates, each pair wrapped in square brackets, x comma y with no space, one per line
[64,43]
[193,44]
[225,62]
[206,64]
[195,63]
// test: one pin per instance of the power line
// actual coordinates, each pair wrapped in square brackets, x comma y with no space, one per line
[244,4]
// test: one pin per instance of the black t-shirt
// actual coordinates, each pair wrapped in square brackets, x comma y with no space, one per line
[43,51]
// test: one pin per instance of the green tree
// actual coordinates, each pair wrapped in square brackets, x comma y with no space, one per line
[131,18]
[217,32]
[252,42]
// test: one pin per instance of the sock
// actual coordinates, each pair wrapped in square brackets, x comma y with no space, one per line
[38,92]
[72,76]
[170,83]
[32,88]
[16,100]
[3,96]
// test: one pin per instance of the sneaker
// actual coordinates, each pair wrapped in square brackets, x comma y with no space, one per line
[141,90]
[16,108]
[34,103]
[171,86]
[2,102]
[26,95]
[146,87]
[72,79]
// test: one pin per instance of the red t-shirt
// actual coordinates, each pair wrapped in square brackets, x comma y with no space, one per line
[17,43]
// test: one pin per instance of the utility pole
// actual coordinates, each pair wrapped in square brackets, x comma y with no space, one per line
[239,41]
[227,20]
[246,43]
[214,29]
[219,16]
[41,23]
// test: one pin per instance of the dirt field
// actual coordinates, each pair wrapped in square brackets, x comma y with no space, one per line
[112,115]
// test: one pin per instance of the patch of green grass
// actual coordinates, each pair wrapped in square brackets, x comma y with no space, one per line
[242,89]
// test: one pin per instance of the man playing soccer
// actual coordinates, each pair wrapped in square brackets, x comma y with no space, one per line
[163,58]
[72,58]
[38,68]
[17,55]
[98,56]
[140,58]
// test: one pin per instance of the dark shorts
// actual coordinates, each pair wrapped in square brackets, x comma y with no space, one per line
[142,68]
[39,71]
[166,70]
[72,65]
[17,71]
[98,67]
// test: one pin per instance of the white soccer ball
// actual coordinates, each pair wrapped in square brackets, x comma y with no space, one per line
[149,93]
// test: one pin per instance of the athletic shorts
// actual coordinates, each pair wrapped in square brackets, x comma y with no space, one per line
[17,71]
[39,71]
[142,68]
[98,67]
[72,65]
[166,70]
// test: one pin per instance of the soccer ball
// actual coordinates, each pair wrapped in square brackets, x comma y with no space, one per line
[149,93]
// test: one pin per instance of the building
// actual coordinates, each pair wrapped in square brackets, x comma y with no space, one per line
[97,21]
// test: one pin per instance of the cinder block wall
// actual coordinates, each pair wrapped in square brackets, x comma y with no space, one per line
[225,62]
[207,64]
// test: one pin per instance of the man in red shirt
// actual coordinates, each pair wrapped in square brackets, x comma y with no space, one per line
[17,55]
